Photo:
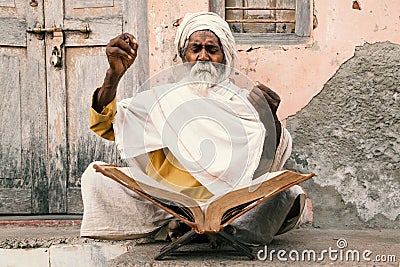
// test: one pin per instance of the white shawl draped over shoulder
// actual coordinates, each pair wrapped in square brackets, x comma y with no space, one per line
[217,138]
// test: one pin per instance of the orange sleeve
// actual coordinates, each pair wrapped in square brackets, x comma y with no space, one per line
[101,123]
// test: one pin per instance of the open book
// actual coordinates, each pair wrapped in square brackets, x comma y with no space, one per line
[219,211]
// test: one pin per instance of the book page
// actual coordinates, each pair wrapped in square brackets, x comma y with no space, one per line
[241,200]
[252,186]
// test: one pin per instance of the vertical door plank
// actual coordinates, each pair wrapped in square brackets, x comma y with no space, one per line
[136,22]
[86,65]
[15,192]
[10,110]
[34,115]
[84,146]
[82,79]
[57,124]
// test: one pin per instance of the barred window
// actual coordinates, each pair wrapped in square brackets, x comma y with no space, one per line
[266,21]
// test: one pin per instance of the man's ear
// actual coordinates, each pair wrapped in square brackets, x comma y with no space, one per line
[184,60]
[183,55]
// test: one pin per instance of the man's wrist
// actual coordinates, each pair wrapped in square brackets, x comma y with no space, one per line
[107,92]
[111,80]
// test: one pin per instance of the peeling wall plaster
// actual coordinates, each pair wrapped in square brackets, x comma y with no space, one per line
[349,134]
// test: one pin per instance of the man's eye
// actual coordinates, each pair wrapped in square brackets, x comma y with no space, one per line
[194,49]
[212,49]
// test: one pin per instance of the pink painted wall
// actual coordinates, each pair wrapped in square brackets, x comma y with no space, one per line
[296,72]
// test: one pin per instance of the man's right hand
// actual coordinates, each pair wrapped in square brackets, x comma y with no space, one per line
[121,52]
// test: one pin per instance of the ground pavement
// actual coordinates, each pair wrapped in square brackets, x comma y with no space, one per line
[57,243]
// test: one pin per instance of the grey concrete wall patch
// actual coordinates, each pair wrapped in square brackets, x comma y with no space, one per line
[349,135]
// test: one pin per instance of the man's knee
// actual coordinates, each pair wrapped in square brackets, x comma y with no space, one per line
[90,175]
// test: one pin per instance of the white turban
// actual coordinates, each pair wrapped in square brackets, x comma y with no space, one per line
[193,22]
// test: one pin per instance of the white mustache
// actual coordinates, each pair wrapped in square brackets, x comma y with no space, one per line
[203,67]
[204,75]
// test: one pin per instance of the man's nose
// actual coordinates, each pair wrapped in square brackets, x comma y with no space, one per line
[203,55]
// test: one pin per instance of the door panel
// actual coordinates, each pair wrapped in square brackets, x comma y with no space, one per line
[12,21]
[104,18]
[76,4]
[45,142]
[84,145]
[23,133]
[12,183]
[101,31]
[85,66]
[11,59]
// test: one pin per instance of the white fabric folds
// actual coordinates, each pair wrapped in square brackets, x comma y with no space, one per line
[218,138]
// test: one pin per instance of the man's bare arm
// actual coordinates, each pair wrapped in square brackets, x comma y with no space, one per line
[121,53]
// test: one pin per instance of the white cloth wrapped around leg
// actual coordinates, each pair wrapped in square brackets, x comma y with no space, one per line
[112,211]
[270,218]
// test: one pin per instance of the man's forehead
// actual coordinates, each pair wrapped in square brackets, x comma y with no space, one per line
[204,35]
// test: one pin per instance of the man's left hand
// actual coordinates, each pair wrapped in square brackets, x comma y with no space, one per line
[259,96]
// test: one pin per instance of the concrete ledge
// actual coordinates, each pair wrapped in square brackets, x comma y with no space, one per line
[69,255]
[62,246]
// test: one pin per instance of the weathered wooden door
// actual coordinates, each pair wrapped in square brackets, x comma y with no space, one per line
[45,140]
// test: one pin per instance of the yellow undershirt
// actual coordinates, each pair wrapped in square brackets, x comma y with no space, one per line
[164,168]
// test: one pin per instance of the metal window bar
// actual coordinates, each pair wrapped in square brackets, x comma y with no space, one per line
[260,8]
[259,21]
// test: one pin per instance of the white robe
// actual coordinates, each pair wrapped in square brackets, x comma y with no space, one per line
[113,212]
[217,138]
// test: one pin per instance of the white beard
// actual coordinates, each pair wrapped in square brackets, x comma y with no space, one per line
[204,75]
